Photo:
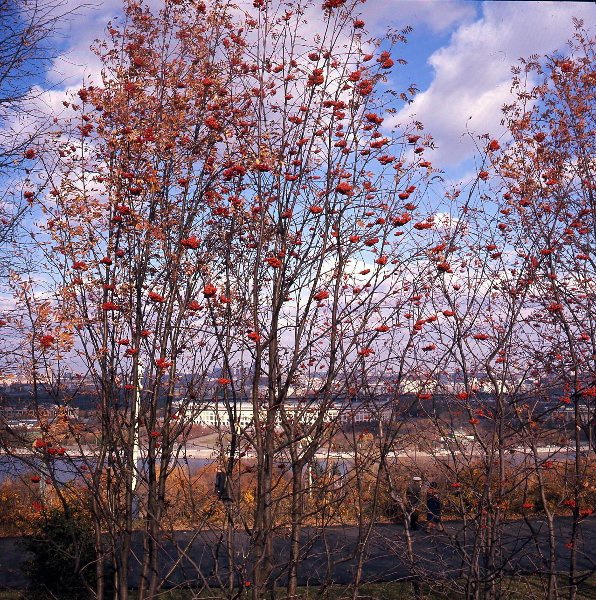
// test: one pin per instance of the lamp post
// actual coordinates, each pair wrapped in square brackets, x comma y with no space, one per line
[136,443]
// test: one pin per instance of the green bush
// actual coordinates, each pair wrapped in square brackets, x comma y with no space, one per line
[63,556]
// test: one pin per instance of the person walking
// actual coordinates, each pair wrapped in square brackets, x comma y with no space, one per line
[433,507]
[413,499]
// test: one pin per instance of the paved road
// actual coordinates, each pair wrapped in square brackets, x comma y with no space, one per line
[204,451]
[330,558]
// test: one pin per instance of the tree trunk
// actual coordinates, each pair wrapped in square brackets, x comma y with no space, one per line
[296,516]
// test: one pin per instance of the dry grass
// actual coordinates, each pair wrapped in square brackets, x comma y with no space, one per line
[512,588]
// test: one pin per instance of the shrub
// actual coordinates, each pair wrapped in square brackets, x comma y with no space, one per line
[63,555]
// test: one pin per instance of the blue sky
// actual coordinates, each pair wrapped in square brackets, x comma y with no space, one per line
[459,54]
[463,61]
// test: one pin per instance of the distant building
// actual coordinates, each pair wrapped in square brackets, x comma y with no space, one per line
[218,414]
[41,413]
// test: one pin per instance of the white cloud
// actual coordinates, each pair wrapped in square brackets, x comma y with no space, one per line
[446,223]
[438,15]
[88,22]
[80,28]
[472,73]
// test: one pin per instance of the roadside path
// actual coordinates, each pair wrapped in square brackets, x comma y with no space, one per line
[330,556]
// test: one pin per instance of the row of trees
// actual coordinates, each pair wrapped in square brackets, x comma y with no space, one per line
[227,199]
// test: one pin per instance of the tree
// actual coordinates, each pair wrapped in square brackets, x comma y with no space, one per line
[225,203]
[26,30]
[522,323]
[548,177]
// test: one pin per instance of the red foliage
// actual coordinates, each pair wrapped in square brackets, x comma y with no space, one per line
[344,188]
[46,341]
[209,291]
[423,225]
[274,262]
[315,78]
[191,242]
[109,306]
[331,4]
[385,60]
[163,363]
[157,298]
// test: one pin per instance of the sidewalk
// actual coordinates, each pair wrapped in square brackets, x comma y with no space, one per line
[329,556]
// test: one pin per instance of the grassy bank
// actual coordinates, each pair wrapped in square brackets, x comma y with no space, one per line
[512,588]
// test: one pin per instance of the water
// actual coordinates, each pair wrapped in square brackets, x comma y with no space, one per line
[21,468]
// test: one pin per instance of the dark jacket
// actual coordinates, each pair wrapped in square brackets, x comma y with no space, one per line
[433,504]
